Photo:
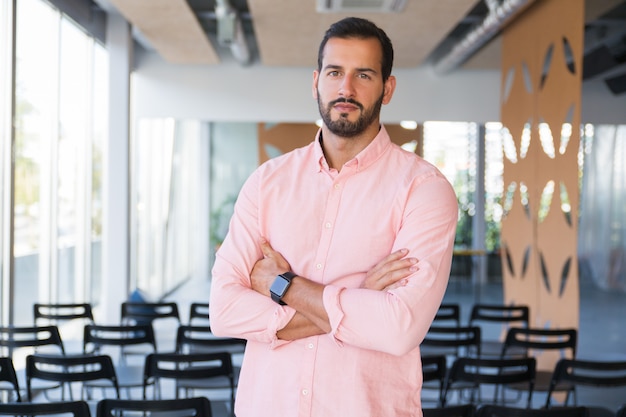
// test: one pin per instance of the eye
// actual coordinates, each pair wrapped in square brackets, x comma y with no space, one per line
[364,76]
[333,73]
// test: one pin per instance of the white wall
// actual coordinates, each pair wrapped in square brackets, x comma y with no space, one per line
[230,92]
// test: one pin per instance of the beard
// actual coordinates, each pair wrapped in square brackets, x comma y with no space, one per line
[344,127]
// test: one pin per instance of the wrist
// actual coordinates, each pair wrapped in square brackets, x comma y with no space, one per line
[280,286]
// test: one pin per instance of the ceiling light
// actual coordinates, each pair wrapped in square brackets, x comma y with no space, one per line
[356,6]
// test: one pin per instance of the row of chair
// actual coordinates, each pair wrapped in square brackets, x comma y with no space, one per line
[193,406]
[55,313]
[489,410]
[201,407]
[189,372]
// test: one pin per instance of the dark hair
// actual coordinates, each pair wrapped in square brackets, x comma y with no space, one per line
[355,27]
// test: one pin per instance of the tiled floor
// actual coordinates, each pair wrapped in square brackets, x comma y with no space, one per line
[602,331]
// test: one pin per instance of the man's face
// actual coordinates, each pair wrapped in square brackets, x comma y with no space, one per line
[349,89]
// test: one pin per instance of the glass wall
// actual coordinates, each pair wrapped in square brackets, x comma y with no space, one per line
[60,124]
[170,200]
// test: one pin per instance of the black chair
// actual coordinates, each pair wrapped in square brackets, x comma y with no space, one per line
[197,371]
[466,410]
[196,407]
[533,340]
[193,339]
[448,313]
[621,411]
[587,373]
[146,313]
[166,313]
[74,408]
[54,314]
[70,315]
[454,342]
[434,369]
[8,378]
[115,341]
[35,337]
[29,339]
[497,373]
[199,311]
[503,411]
[500,318]
[66,370]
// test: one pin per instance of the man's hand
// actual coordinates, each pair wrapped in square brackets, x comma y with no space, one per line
[390,272]
[265,270]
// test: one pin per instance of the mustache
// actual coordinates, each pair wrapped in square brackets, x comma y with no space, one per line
[346,100]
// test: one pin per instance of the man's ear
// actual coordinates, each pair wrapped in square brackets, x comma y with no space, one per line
[315,80]
[388,89]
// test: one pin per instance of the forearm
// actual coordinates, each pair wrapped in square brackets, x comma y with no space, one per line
[298,328]
[306,297]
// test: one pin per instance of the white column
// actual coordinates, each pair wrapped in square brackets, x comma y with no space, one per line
[479,269]
[116,183]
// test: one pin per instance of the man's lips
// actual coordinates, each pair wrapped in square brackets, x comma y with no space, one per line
[345,106]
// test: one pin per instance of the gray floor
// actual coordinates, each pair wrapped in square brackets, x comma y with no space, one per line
[602,331]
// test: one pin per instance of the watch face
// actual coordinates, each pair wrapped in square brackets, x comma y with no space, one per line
[280,285]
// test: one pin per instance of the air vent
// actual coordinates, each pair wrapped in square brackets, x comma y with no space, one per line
[360,6]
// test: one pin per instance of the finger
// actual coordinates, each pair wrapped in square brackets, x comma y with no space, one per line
[394,256]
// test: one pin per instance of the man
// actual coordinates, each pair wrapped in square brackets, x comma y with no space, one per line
[320,270]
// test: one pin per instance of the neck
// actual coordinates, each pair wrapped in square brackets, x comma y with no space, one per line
[338,149]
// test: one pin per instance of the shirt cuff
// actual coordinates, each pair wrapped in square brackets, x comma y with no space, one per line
[332,305]
[282,316]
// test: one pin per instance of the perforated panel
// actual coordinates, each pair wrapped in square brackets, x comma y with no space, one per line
[541,95]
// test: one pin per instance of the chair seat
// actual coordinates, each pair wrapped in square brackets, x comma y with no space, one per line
[493,348]
[542,383]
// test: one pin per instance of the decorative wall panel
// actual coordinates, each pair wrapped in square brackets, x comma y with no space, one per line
[541,95]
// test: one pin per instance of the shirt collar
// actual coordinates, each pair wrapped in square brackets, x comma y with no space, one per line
[364,158]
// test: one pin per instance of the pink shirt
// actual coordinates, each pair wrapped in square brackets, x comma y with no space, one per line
[333,227]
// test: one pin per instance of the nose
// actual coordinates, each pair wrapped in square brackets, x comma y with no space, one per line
[346,89]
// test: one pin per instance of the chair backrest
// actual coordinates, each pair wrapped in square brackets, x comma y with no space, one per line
[435,368]
[466,410]
[454,341]
[146,313]
[71,368]
[496,372]
[74,408]
[8,375]
[450,312]
[12,338]
[518,315]
[199,311]
[55,313]
[96,336]
[529,338]
[197,407]
[590,373]
[501,410]
[191,339]
[195,366]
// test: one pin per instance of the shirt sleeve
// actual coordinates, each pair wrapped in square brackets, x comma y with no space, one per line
[397,320]
[236,310]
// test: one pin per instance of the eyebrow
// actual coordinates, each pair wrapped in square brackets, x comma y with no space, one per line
[339,67]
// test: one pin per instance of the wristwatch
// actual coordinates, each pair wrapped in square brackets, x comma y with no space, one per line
[280,286]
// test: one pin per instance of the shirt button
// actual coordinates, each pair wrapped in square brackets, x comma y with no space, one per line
[329,225]
[310,345]
[305,392]
[318,266]
[337,186]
